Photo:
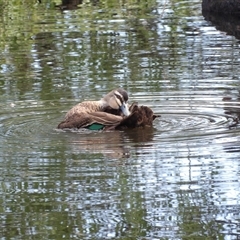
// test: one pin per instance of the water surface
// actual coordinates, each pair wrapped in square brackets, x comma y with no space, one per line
[177,180]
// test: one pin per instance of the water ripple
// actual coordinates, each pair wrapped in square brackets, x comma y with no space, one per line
[27,118]
[184,128]
[181,117]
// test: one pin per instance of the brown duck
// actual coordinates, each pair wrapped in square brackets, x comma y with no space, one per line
[111,112]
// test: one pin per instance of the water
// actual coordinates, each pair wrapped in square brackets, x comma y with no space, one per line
[177,180]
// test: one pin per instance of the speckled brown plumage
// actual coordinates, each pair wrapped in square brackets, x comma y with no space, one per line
[85,108]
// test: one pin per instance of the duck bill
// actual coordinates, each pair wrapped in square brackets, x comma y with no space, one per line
[124,109]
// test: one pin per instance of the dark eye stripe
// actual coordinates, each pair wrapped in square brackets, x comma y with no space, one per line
[119,97]
[123,93]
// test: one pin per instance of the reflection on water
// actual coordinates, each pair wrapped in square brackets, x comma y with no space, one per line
[112,144]
[69,4]
[177,180]
[228,23]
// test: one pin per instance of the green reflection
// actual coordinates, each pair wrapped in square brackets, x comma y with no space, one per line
[195,222]
[52,57]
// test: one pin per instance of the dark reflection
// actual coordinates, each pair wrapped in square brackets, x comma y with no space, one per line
[69,4]
[72,4]
[229,23]
[140,135]
[223,6]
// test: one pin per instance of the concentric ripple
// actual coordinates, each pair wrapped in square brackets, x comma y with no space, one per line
[23,119]
[187,117]
[179,119]
[194,124]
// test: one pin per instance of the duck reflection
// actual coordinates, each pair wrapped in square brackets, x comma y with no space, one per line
[140,136]
[111,144]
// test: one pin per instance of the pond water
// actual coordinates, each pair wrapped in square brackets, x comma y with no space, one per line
[177,180]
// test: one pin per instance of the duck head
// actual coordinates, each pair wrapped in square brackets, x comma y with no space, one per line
[117,99]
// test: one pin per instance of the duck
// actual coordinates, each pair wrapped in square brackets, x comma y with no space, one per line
[109,113]
[83,114]
[116,99]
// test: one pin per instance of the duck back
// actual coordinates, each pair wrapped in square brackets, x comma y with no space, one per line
[85,107]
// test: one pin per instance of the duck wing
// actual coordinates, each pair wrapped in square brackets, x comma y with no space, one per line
[106,119]
[83,120]
[76,120]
